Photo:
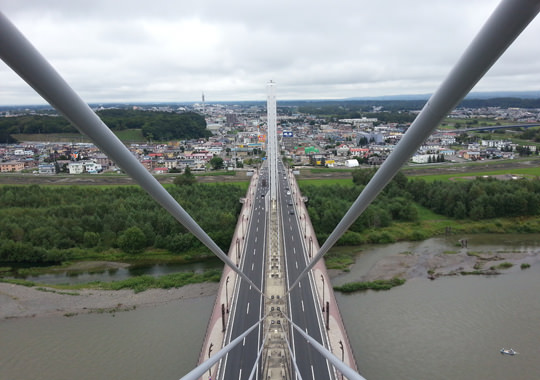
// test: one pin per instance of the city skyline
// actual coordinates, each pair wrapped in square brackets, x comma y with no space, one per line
[124,52]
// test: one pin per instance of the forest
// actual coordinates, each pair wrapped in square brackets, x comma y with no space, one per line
[47,224]
[157,126]
[44,224]
[478,199]
[395,111]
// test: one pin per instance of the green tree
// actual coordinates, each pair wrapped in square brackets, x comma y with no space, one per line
[363,176]
[216,163]
[187,178]
[132,240]
[90,239]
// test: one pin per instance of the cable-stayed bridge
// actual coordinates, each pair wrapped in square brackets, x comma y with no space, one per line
[501,29]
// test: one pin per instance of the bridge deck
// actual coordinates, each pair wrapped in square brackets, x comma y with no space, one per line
[335,335]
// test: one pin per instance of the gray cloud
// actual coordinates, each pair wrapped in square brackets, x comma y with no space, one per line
[172,51]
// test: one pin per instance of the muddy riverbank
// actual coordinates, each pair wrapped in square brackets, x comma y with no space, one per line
[21,301]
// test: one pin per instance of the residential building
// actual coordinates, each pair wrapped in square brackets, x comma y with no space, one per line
[11,166]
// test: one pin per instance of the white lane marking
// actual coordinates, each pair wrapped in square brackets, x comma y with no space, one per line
[255,239]
[296,262]
[257,227]
[299,284]
[303,305]
[312,373]
[240,373]
[294,250]
[244,341]
[247,311]
[253,252]
[292,237]
[252,264]
[291,227]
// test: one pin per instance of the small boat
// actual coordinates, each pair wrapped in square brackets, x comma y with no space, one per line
[509,351]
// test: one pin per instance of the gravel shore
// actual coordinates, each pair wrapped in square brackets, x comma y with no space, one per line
[18,301]
[438,264]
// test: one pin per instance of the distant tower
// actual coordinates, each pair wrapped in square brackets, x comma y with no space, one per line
[203,109]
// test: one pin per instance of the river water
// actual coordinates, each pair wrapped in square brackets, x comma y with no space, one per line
[117,274]
[450,328]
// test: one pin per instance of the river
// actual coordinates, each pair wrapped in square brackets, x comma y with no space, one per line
[450,328]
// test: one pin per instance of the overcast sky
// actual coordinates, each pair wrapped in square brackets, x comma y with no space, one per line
[172,51]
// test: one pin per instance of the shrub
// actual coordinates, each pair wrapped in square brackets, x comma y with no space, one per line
[370,285]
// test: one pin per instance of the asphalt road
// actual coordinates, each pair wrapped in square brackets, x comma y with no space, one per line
[302,303]
[249,306]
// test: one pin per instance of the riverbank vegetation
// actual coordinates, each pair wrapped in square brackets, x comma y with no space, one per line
[45,224]
[168,281]
[415,209]
[351,287]
[136,283]
[57,225]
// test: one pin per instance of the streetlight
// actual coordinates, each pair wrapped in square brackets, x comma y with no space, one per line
[209,351]
[322,278]
[227,293]
[237,251]
[342,354]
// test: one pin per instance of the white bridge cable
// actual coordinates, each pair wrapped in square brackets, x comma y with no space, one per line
[347,371]
[252,373]
[18,53]
[508,20]
[298,374]
[197,372]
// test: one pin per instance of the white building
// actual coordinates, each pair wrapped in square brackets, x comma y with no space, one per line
[75,168]
[351,163]
[91,167]
[423,158]
[84,167]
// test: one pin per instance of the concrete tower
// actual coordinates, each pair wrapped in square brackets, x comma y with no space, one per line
[271,141]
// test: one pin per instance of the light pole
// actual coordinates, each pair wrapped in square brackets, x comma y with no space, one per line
[209,352]
[342,354]
[322,278]
[237,251]
[227,293]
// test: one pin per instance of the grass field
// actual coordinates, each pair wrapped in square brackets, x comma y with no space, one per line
[525,172]
[326,181]
[330,170]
